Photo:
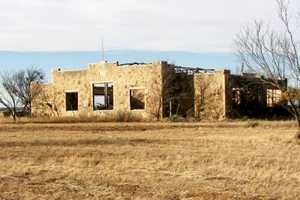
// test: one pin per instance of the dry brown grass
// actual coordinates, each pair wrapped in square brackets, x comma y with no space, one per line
[116,117]
[201,161]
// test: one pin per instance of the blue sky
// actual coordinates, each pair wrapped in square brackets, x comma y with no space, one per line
[80,59]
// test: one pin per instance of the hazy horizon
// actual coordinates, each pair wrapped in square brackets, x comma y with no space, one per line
[47,60]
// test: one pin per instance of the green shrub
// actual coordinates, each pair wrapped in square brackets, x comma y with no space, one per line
[174,118]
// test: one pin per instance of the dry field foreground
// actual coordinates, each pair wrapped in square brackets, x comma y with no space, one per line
[169,161]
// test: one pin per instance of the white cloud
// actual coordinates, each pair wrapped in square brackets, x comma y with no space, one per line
[194,25]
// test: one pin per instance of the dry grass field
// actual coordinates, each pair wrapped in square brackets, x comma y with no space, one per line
[168,161]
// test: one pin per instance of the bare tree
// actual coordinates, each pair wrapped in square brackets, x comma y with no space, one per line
[26,90]
[8,97]
[274,55]
[18,90]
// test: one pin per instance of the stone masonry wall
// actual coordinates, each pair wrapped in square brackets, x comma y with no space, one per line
[212,95]
[123,77]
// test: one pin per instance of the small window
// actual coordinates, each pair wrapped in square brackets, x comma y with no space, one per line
[71,101]
[103,96]
[236,96]
[137,99]
[273,97]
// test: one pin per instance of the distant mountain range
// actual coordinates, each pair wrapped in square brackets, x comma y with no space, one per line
[13,60]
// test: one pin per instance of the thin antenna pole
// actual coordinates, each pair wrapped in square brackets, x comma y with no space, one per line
[242,68]
[102,48]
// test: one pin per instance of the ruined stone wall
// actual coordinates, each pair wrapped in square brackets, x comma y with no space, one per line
[255,96]
[212,95]
[178,92]
[124,77]
[45,103]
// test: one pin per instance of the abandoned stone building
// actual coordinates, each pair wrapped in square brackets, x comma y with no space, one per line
[154,90]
